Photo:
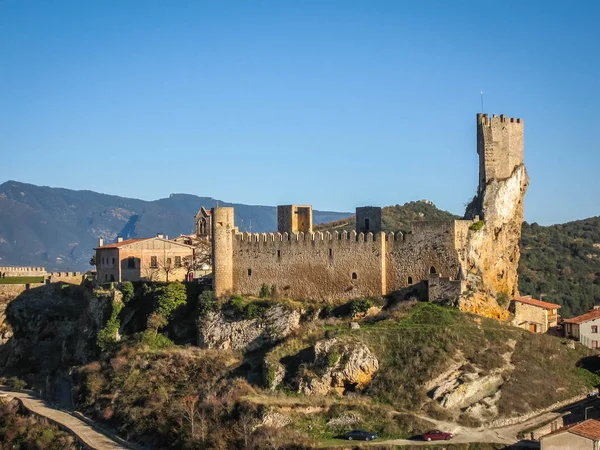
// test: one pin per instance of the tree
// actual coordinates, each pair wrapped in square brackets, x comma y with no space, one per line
[190,412]
[170,297]
[93,260]
[202,255]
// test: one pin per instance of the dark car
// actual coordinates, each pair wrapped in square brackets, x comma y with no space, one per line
[437,435]
[359,435]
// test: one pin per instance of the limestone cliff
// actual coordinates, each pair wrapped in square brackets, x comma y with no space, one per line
[491,257]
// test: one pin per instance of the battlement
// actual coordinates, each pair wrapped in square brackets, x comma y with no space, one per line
[22,271]
[312,237]
[483,119]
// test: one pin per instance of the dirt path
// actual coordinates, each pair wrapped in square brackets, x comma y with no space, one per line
[92,438]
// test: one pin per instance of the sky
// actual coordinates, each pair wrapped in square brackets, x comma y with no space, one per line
[336,104]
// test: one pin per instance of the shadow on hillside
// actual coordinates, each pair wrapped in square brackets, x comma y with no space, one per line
[43,329]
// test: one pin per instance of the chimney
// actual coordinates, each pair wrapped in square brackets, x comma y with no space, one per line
[100,242]
[119,238]
[167,237]
[160,236]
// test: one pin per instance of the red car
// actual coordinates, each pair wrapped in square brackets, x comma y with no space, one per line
[437,435]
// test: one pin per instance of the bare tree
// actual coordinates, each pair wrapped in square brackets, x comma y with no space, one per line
[190,412]
[202,255]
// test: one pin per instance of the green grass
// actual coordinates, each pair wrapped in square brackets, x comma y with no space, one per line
[21,280]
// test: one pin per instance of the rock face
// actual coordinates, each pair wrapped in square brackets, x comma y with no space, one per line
[339,366]
[217,331]
[491,256]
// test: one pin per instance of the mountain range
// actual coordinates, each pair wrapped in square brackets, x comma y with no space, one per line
[58,228]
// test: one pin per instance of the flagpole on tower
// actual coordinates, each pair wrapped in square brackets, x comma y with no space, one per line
[481,100]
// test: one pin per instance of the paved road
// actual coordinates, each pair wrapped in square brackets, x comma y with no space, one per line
[86,433]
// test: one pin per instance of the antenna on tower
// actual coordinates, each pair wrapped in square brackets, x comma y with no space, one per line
[481,100]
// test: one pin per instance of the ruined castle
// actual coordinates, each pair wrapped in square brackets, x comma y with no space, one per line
[370,262]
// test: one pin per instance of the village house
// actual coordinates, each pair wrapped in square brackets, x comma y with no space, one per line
[534,315]
[152,259]
[581,436]
[584,328]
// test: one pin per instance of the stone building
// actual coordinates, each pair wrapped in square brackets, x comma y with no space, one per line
[534,315]
[152,259]
[584,328]
[581,436]
[368,262]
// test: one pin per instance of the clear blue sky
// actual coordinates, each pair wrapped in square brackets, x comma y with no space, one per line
[334,103]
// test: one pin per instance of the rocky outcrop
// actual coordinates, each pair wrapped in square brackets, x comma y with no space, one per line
[491,256]
[339,366]
[216,330]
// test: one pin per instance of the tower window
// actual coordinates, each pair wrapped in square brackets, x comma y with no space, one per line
[410,280]
[354,276]
[366,224]
[249,272]
[331,253]
[432,270]
[279,253]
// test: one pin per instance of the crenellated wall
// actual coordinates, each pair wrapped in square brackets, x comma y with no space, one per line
[312,265]
[16,271]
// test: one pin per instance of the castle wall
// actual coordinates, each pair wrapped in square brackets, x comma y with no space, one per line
[410,257]
[315,266]
[443,288]
[15,271]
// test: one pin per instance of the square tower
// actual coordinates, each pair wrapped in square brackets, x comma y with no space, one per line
[368,219]
[500,147]
[294,219]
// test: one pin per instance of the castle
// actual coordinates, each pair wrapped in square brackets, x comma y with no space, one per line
[367,261]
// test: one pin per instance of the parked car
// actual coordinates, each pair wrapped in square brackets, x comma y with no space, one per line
[437,435]
[359,435]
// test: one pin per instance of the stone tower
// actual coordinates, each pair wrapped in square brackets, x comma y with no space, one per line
[368,219]
[294,219]
[222,247]
[500,147]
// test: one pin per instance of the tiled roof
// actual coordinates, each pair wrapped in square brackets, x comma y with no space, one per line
[589,429]
[593,314]
[538,303]
[122,243]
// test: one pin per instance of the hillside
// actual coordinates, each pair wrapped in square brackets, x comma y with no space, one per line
[58,228]
[274,373]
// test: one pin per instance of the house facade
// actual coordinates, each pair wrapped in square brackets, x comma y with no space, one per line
[584,328]
[152,259]
[582,436]
[534,315]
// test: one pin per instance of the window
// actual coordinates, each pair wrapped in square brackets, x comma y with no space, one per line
[594,328]
[131,262]
[366,224]
[594,344]
[354,276]
[279,253]
[153,262]
[249,272]
[105,277]
[409,280]
[331,253]
[432,270]
[169,262]
[178,261]
[113,261]
[102,261]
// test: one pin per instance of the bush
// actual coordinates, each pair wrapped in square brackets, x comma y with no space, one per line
[169,298]
[264,291]
[107,336]
[255,309]
[16,383]
[127,290]
[503,299]
[238,304]
[477,226]
[360,305]
[155,341]
[207,302]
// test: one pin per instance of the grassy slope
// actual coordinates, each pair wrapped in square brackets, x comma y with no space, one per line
[21,280]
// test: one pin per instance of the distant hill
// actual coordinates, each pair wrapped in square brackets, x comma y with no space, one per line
[58,228]
[395,218]
[562,262]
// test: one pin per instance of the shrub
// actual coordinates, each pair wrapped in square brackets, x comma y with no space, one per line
[127,290]
[264,291]
[16,383]
[107,336]
[255,309]
[477,226]
[155,341]
[274,293]
[503,299]
[169,298]
[360,305]
[207,302]
[157,321]
[237,304]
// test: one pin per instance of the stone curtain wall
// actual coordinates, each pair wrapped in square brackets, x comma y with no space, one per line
[311,266]
[430,244]
[13,271]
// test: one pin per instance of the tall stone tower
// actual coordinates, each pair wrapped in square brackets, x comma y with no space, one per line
[222,247]
[368,219]
[500,147]
[294,219]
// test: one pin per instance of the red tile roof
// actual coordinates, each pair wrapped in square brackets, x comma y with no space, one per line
[122,243]
[591,315]
[589,429]
[538,303]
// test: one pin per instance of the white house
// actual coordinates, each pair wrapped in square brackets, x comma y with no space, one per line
[584,328]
